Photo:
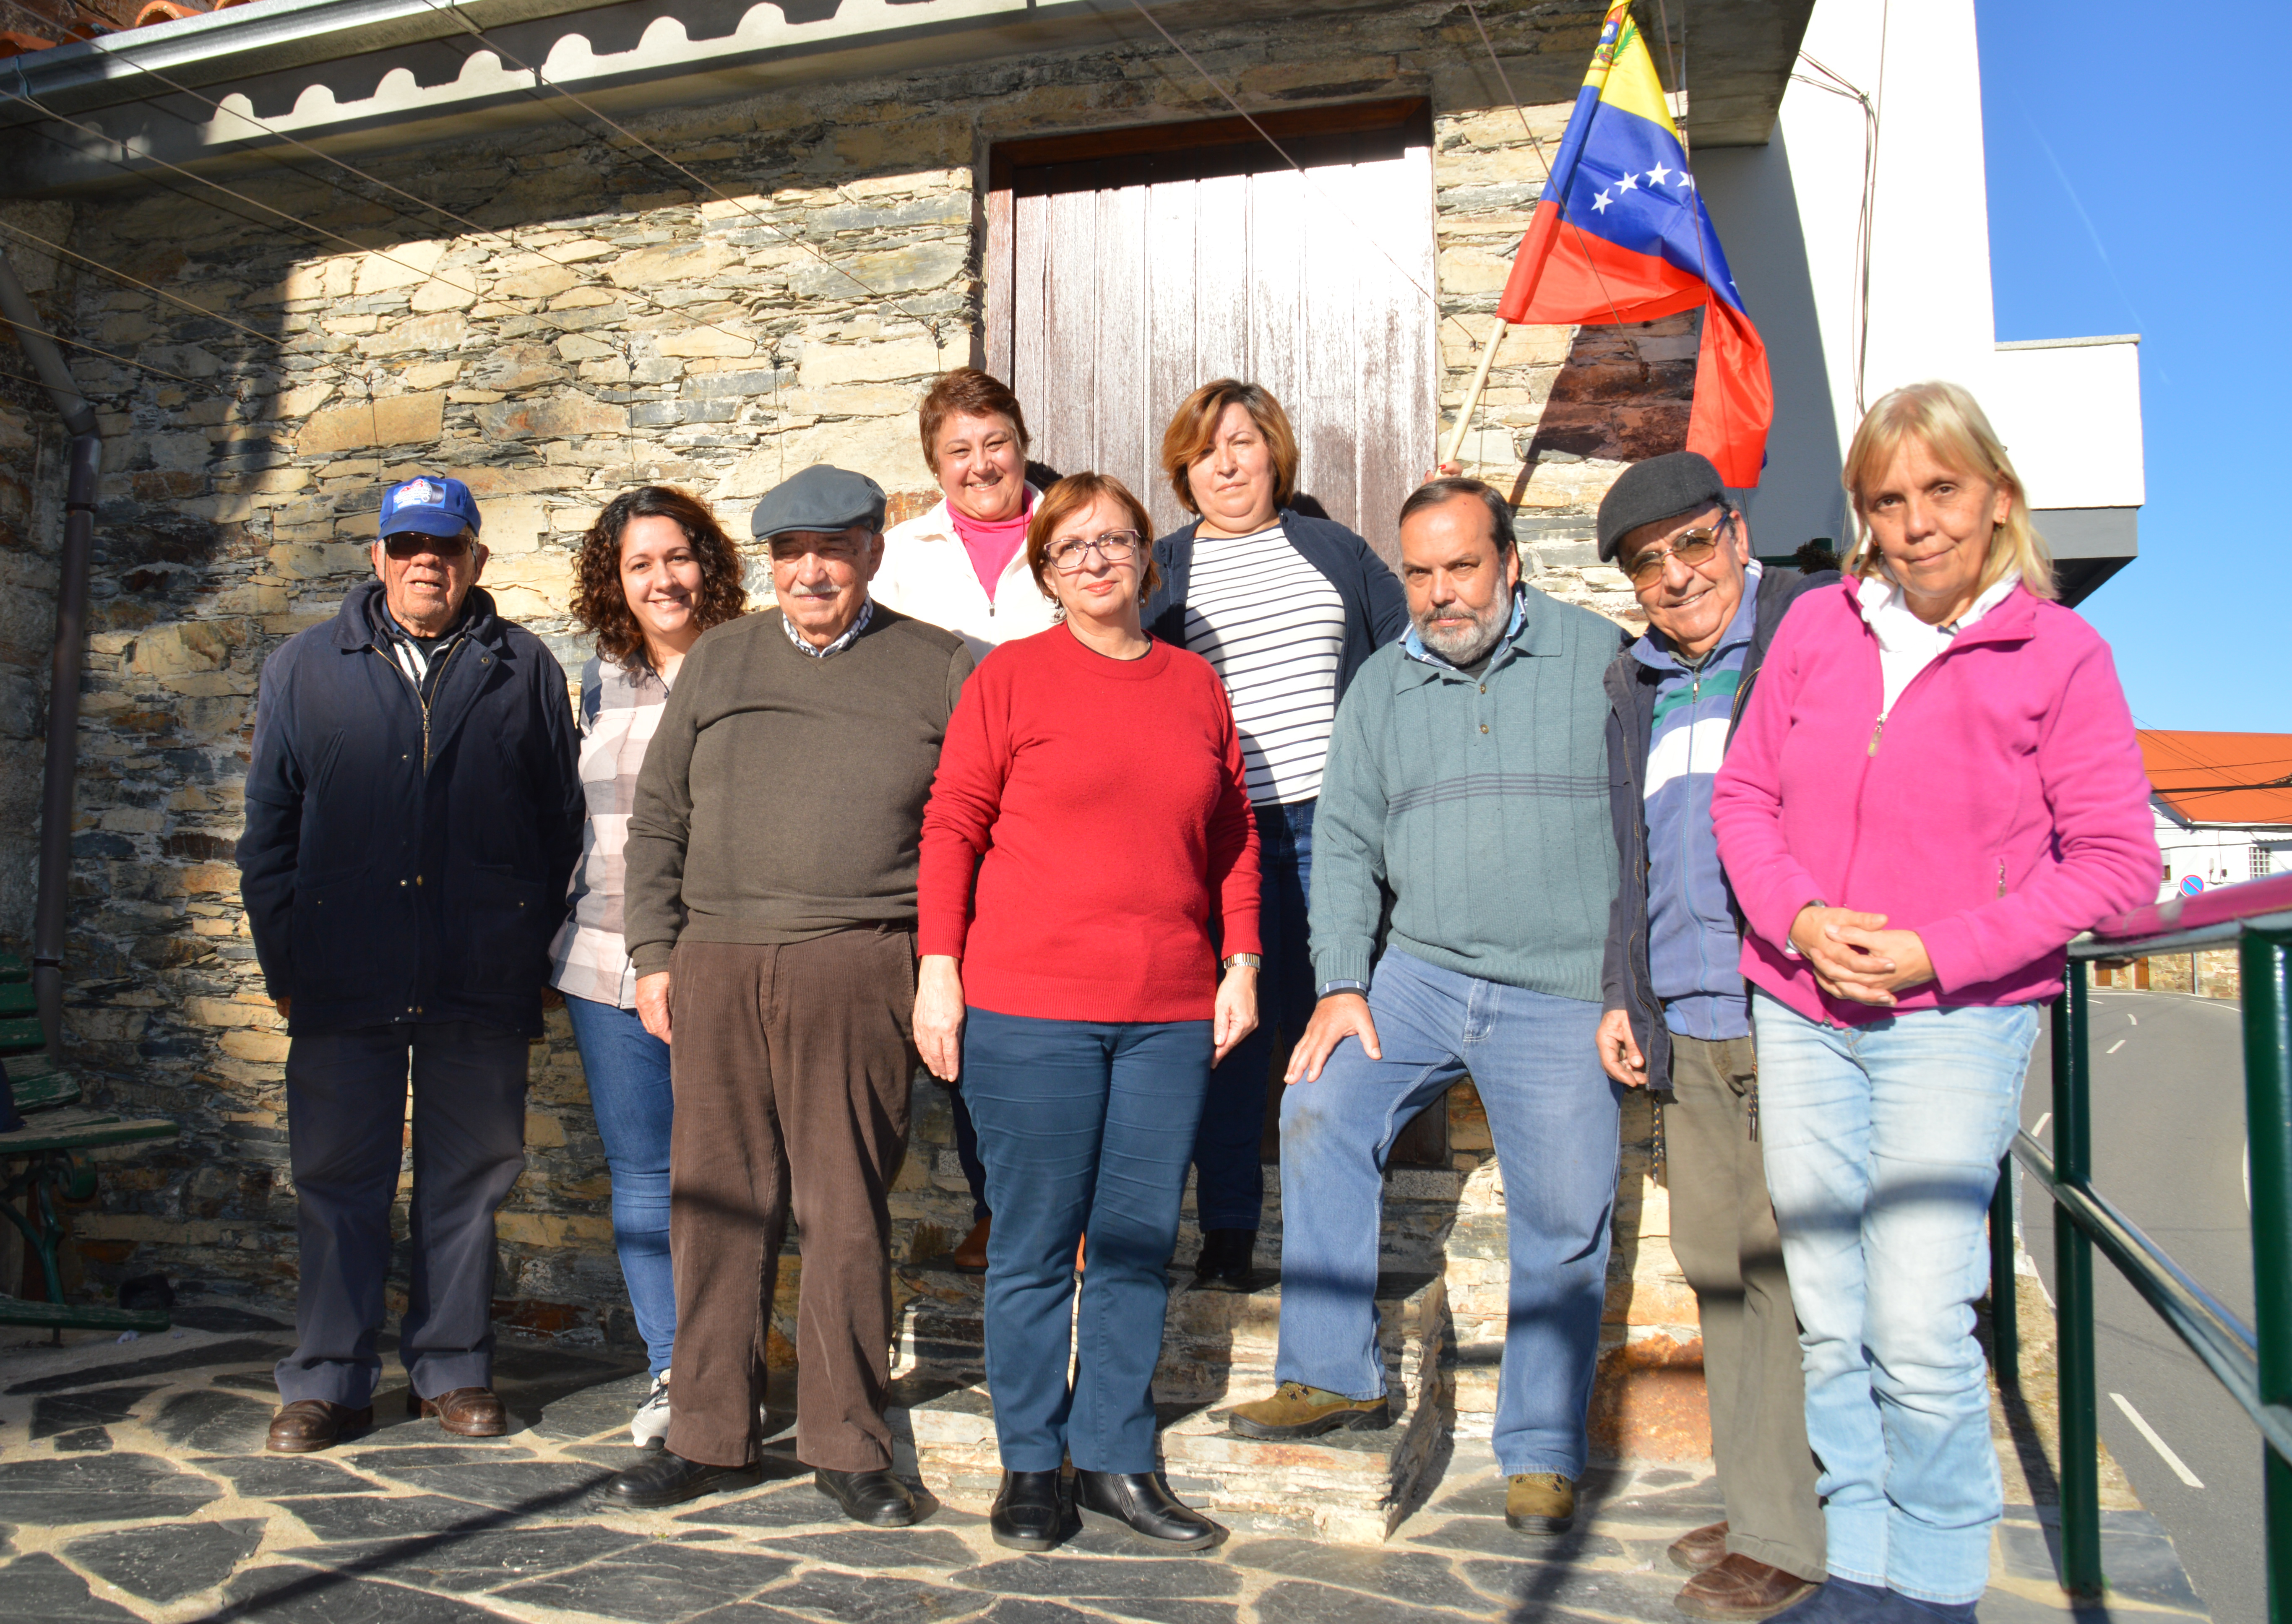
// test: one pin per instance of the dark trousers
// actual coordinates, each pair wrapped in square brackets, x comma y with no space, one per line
[791,1067]
[1722,1230]
[1085,1127]
[345,1133]
[1228,1159]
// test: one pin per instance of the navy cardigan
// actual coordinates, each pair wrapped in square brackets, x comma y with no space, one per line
[1377,608]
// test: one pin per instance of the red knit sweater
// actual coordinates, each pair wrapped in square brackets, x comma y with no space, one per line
[1101,808]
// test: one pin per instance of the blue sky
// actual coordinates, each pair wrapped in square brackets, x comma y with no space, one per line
[2122,154]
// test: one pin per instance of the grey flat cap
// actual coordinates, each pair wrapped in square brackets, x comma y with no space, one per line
[820,498]
[1660,488]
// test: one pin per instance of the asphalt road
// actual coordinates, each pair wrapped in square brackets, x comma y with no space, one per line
[2169,1150]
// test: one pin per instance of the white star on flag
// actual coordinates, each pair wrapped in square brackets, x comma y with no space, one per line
[1686,182]
[1655,174]
[1600,203]
[1630,182]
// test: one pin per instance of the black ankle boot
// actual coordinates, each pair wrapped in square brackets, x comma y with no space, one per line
[1142,1503]
[1030,1512]
[1225,1259]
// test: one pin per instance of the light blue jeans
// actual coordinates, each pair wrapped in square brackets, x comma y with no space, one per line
[1554,1116]
[1881,1147]
[627,1069]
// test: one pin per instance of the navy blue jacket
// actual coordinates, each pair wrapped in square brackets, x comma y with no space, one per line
[1377,608]
[399,867]
[1625,983]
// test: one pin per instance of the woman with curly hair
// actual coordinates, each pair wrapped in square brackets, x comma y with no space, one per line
[654,572]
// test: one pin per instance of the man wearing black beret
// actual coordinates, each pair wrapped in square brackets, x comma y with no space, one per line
[772,858]
[1678,1014]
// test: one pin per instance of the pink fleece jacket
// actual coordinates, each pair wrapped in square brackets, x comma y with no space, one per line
[2000,810]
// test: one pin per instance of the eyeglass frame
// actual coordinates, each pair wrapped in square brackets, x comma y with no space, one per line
[448,549]
[1713,537]
[1083,546]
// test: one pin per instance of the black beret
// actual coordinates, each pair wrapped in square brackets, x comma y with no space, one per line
[1660,488]
[820,498]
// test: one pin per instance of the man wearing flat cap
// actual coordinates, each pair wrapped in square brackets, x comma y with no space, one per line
[1677,1014]
[772,859]
[414,810]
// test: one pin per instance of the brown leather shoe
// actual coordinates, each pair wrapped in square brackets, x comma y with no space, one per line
[309,1425]
[466,1412]
[971,1256]
[1705,1547]
[1739,1588]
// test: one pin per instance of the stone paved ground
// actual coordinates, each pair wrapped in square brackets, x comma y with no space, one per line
[132,1485]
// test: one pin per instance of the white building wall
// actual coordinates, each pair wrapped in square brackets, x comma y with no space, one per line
[1789,215]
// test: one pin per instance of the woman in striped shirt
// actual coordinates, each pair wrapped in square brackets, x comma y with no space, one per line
[654,572]
[1285,607]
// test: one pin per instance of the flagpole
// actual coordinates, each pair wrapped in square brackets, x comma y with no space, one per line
[1472,397]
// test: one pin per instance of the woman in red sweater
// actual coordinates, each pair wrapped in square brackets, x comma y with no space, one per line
[1087,855]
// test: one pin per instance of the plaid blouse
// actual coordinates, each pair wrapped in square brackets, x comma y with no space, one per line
[621,709]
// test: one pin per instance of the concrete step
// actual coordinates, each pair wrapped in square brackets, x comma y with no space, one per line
[1218,1348]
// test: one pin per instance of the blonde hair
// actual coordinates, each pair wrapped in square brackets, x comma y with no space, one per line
[1946,419]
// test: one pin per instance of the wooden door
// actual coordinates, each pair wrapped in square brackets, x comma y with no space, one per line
[1126,269]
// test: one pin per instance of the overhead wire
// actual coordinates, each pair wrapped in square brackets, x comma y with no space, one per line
[98,265]
[423,203]
[124,361]
[1369,238]
[452,7]
[1829,79]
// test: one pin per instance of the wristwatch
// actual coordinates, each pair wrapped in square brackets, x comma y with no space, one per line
[1251,960]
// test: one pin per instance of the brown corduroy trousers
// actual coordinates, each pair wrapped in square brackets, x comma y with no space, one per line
[791,1066]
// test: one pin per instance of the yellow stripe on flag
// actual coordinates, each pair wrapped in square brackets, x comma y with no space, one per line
[1628,83]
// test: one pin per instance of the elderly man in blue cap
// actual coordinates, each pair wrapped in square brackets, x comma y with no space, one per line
[414,810]
[770,916]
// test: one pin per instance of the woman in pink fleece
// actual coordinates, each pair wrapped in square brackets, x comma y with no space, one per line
[1935,788]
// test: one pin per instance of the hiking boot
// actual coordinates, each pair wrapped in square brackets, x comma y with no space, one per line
[1700,1548]
[1540,1503]
[1298,1411]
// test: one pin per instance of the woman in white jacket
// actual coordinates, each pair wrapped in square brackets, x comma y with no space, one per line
[963,566]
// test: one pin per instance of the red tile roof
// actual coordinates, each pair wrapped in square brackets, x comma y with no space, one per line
[2221,778]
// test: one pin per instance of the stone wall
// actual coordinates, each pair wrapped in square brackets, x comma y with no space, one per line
[596,324]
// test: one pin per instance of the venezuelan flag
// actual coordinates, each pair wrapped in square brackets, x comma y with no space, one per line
[1621,235]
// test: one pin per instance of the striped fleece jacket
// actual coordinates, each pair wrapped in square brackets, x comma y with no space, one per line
[1477,806]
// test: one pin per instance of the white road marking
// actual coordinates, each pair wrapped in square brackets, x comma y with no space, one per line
[2134,1019]
[2038,1131]
[2113,1048]
[2164,1449]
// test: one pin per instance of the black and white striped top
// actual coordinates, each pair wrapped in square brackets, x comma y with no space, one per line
[1274,628]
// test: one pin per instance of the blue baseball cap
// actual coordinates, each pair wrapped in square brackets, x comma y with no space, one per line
[431,504]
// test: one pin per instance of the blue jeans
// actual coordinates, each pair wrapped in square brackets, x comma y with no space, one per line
[627,1069]
[1881,1147]
[1230,1168]
[1085,1127]
[1554,1114]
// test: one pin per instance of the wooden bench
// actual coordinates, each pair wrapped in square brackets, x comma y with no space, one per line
[42,1164]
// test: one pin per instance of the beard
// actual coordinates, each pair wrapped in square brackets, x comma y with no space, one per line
[1467,642]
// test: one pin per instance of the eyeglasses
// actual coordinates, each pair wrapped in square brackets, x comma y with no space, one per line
[414,544]
[1692,548]
[1067,556]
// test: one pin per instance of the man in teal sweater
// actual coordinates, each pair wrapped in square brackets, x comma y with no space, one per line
[1463,871]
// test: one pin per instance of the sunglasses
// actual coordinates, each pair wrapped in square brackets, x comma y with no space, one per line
[414,544]
[1692,547]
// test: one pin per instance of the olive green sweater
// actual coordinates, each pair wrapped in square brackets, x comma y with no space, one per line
[782,796]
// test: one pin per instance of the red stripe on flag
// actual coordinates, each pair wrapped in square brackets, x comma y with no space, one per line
[1564,274]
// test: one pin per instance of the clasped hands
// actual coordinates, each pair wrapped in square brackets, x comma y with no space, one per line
[1854,958]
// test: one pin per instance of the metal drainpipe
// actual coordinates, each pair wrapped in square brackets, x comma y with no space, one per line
[57,780]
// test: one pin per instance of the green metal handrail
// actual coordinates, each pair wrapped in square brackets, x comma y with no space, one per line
[2253,1363]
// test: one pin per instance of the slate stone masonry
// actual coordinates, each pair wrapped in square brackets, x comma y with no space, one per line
[599,322]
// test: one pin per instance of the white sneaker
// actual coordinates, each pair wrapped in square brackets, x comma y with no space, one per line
[649,1427]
